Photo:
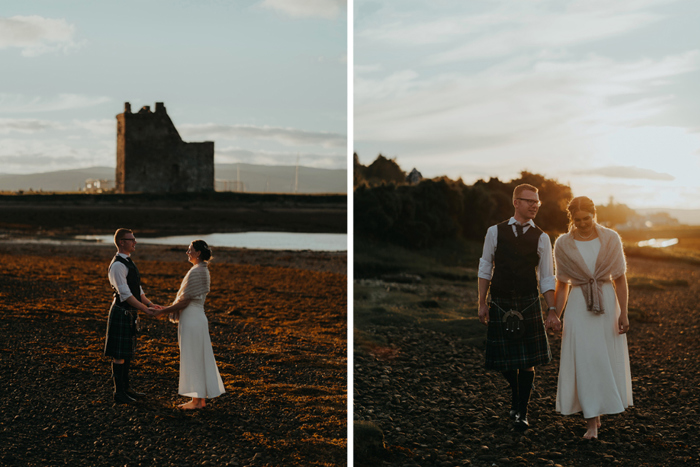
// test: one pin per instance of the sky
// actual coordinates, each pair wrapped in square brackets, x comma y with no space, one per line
[600,95]
[266,80]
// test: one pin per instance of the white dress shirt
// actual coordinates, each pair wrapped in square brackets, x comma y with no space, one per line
[545,270]
[117,277]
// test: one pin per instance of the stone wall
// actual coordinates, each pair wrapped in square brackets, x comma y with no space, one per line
[152,158]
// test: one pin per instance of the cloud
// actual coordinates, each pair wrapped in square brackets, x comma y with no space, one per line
[34,161]
[286,136]
[322,161]
[514,100]
[102,127]
[8,125]
[33,155]
[326,9]
[558,87]
[406,31]
[19,103]
[543,31]
[619,171]
[502,27]
[36,35]
[98,128]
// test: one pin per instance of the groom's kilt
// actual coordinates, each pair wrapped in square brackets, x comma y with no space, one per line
[121,333]
[504,354]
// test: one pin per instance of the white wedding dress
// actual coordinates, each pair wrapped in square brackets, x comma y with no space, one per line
[199,375]
[594,371]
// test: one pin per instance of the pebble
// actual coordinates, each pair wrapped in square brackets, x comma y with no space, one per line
[445,373]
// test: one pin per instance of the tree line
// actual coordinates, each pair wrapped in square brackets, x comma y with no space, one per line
[387,208]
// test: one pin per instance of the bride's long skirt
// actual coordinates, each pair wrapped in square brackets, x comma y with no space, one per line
[199,375]
[594,371]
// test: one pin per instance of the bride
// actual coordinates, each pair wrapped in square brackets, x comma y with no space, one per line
[199,375]
[591,291]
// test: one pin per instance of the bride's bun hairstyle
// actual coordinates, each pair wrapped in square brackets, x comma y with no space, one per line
[580,203]
[203,248]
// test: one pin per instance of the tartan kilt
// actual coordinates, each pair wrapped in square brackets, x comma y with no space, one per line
[532,349]
[120,341]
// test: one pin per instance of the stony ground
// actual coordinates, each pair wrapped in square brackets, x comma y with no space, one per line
[278,326]
[436,406]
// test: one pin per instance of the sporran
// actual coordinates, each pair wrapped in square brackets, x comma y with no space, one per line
[513,325]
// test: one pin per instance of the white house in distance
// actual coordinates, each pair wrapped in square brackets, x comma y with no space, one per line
[98,186]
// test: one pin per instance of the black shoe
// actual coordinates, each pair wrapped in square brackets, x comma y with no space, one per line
[134,394]
[122,398]
[521,423]
[512,414]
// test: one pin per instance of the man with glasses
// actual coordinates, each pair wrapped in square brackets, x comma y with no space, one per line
[122,323]
[516,254]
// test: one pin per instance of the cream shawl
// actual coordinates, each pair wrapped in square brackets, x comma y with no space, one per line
[571,267]
[195,283]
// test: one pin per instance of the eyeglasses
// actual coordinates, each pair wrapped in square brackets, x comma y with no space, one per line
[129,239]
[531,202]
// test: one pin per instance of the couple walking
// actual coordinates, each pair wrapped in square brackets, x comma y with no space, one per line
[199,375]
[590,289]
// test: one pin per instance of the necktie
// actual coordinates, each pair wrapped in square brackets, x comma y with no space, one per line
[519,230]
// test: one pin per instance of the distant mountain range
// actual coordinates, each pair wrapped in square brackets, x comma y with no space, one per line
[252,178]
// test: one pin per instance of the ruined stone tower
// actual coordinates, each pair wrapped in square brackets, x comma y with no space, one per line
[152,158]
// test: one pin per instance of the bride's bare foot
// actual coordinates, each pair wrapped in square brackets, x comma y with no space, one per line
[592,425]
[598,421]
[194,404]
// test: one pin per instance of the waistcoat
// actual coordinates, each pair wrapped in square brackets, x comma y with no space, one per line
[133,280]
[515,262]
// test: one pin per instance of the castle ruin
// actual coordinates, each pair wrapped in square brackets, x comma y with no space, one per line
[152,158]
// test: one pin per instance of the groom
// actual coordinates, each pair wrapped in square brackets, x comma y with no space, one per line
[122,324]
[516,254]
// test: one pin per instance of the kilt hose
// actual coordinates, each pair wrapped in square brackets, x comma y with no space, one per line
[121,333]
[504,354]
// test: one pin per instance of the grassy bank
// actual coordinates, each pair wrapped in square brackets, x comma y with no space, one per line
[171,214]
[227,197]
[434,288]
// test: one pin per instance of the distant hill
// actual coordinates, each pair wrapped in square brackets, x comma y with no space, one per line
[253,178]
[684,216]
[62,180]
[280,178]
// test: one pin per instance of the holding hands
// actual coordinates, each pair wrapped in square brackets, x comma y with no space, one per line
[552,322]
[155,310]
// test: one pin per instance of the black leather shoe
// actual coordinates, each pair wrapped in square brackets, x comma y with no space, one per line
[512,414]
[521,423]
[134,394]
[122,398]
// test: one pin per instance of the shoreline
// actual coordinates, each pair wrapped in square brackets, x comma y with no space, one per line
[171,214]
[319,261]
